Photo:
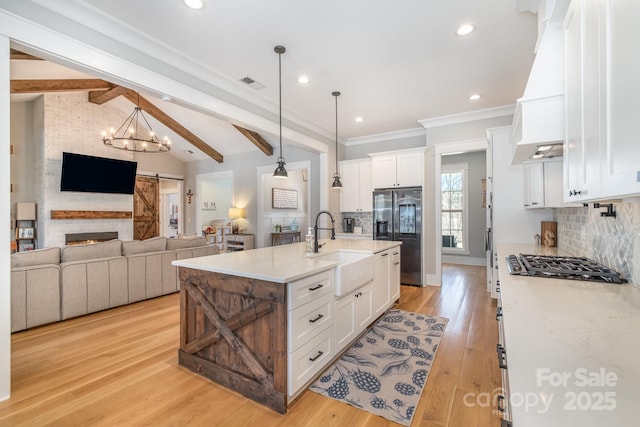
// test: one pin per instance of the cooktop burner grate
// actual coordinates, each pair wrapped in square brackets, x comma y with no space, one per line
[561,267]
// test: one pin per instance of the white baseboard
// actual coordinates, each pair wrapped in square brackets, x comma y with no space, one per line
[452,259]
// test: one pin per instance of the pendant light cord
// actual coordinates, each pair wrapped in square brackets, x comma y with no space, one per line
[336,96]
[280,96]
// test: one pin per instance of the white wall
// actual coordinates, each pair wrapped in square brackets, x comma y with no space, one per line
[361,151]
[218,195]
[5,232]
[511,221]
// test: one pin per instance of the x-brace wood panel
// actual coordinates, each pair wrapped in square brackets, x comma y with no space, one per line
[233,330]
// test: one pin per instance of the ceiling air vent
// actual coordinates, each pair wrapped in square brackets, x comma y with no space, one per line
[252,83]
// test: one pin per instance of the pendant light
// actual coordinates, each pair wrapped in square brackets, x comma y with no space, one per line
[280,171]
[337,184]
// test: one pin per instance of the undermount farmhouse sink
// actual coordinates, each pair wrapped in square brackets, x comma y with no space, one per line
[353,270]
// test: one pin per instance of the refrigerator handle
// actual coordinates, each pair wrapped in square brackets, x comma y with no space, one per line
[487,239]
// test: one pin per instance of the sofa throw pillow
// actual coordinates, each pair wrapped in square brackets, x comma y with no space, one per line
[37,257]
[154,244]
[173,244]
[110,249]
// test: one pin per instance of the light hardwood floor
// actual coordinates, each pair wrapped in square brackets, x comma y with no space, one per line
[119,367]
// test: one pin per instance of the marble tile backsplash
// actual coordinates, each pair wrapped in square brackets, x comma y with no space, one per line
[614,242]
[363,219]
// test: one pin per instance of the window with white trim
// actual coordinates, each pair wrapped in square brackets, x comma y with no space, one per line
[454,209]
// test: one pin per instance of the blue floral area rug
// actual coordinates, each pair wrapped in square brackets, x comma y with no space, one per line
[385,371]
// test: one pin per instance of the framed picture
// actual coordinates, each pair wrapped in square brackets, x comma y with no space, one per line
[284,199]
[25,233]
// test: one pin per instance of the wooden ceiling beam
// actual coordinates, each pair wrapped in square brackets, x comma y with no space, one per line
[256,139]
[16,54]
[169,122]
[101,96]
[58,85]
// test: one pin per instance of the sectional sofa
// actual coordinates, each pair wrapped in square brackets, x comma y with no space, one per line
[53,284]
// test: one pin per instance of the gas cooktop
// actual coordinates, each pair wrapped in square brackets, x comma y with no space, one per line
[561,267]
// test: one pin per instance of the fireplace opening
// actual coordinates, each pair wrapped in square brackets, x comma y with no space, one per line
[86,238]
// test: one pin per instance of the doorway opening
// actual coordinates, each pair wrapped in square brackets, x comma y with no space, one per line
[462,212]
[171,213]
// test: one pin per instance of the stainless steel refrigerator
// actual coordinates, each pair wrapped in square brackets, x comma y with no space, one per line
[397,215]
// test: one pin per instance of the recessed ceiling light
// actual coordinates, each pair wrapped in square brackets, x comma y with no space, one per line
[303,80]
[465,29]
[359,119]
[474,97]
[194,4]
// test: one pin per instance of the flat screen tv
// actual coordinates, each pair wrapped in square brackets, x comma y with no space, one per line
[97,174]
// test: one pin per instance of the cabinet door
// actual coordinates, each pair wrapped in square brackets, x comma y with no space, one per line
[345,320]
[573,149]
[364,308]
[383,172]
[622,150]
[394,275]
[366,189]
[381,295]
[584,99]
[350,193]
[409,169]
[534,185]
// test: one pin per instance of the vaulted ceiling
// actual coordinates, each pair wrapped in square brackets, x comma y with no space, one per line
[394,62]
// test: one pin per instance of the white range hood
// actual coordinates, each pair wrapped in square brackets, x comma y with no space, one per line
[538,121]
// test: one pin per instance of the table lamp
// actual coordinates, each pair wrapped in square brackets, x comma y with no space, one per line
[235,214]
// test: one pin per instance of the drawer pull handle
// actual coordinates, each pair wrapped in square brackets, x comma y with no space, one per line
[501,403]
[498,313]
[317,356]
[318,317]
[385,254]
[396,253]
[396,263]
[315,288]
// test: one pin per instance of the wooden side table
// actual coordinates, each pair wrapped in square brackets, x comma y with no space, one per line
[284,238]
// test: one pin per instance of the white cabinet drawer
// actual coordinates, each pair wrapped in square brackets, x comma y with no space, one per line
[310,359]
[304,290]
[308,320]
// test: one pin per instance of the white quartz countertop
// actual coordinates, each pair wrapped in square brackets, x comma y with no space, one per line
[573,348]
[282,264]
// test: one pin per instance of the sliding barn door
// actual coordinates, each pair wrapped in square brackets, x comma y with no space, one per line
[146,208]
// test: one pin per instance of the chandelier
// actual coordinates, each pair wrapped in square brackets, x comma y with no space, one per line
[135,134]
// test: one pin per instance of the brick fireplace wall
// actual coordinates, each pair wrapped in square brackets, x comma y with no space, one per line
[67,122]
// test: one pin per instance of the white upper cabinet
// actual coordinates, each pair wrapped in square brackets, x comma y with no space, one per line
[601,151]
[534,185]
[543,185]
[356,192]
[621,171]
[398,169]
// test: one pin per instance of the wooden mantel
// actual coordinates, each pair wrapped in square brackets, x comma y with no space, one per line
[91,214]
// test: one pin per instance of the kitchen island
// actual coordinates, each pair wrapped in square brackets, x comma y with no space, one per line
[571,348]
[264,322]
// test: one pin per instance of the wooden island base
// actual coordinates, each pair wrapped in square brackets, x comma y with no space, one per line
[233,330]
